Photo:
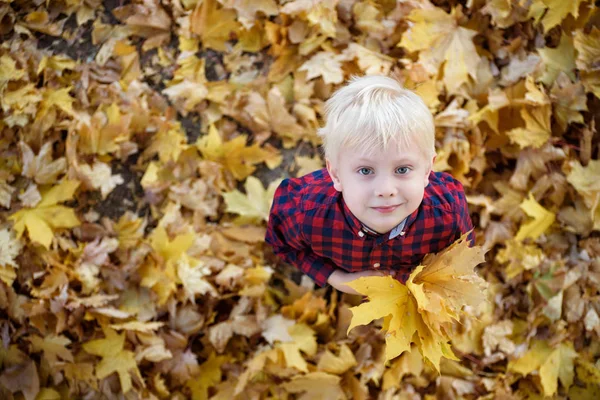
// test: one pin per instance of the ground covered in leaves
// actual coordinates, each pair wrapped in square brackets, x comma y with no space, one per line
[140,146]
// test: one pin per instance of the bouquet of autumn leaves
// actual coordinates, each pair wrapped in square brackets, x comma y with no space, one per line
[424,310]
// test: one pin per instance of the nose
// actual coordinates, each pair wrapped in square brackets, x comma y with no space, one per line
[386,187]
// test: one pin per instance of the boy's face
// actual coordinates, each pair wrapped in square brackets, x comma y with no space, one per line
[384,187]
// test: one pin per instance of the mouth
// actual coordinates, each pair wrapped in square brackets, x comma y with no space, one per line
[386,209]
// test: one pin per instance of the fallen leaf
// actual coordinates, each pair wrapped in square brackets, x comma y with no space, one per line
[440,40]
[214,25]
[316,385]
[47,215]
[114,358]
[542,220]
[255,205]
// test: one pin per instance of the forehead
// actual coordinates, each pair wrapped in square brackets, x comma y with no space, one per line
[393,152]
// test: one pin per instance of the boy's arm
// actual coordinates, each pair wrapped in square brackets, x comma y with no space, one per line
[284,234]
[317,268]
[463,219]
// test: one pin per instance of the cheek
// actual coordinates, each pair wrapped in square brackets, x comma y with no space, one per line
[358,194]
[414,189]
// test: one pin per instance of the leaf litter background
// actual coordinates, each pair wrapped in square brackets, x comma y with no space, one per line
[140,147]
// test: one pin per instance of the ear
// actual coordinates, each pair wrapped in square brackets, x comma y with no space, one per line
[429,170]
[333,172]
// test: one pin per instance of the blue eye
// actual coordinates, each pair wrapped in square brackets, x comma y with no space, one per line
[365,171]
[402,170]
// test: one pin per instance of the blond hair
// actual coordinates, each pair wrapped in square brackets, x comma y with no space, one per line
[371,112]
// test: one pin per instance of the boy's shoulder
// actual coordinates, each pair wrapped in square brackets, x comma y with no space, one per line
[443,191]
[309,191]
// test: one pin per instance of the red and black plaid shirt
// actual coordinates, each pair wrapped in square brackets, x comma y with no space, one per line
[311,227]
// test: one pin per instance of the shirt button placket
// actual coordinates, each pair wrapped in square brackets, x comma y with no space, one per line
[376,257]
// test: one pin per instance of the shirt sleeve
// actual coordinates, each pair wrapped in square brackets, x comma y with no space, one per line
[284,234]
[463,218]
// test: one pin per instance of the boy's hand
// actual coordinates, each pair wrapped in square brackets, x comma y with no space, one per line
[339,279]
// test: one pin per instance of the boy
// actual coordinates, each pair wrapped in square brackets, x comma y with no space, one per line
[377,207]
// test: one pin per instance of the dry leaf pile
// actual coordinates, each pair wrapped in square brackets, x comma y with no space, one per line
[141,144]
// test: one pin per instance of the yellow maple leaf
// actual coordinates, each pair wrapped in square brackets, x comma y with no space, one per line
[387,298]
[57,63]
[569,100]
[588,48]
[47,215]
[316,385]
[446,282]
[53,346]
[170,250]
[129,229]
[542,219]
[130,62]
[520,257]
[553,364]
[105,132]
[293,357]
[557,11]
[235,155]
[22,104]
[458,149]
[588,51]
[536,94]
[213,25]
[168,144]
[41,168]
[589,392]
[247,9]
[9,71]
[320,14]
[326,65]
[252,39]
[587,372]
[188,87]
[429,91]
[161,276]
[439,39]
[308,164]
[433,297]
[410,362]
[585,181]
[303,339]
[148,20]
[501,12]
[59,98]
[209,374]
[557,60]
[255,205]
[537,129]
[285,124]
[81,371]
[191,273]
[41,21]
[368,17]
[255,365]
[114,358]
[369,61]
[337,364]
[47,394]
